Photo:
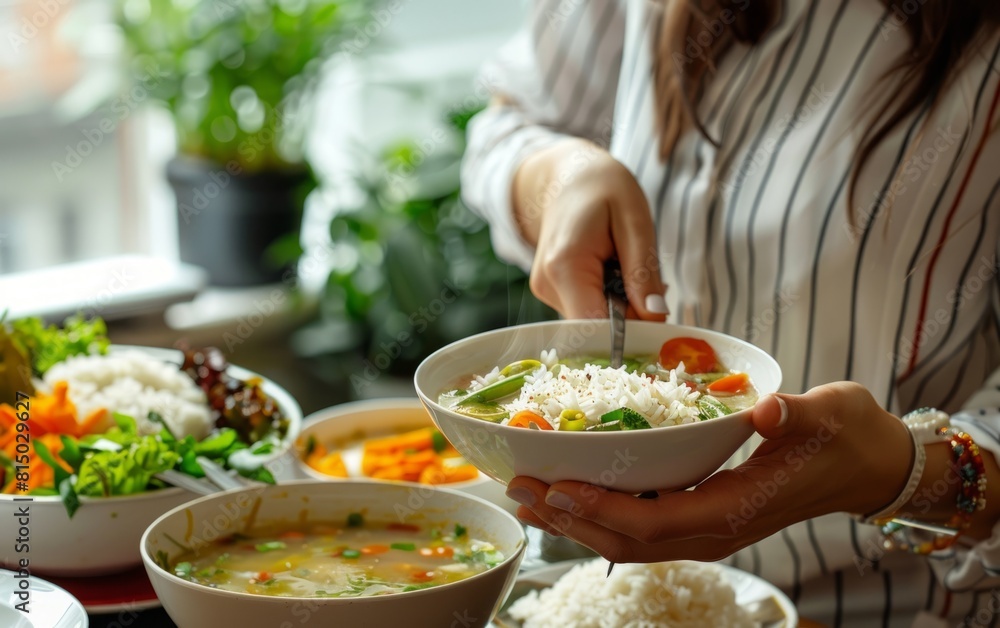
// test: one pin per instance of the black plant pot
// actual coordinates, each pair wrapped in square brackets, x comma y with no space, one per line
[227,219]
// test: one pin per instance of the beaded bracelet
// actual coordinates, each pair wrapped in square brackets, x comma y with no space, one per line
[968,464]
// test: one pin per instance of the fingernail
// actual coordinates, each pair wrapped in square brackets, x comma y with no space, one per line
[656,304]
[562,501]
[784,411]
[522,496]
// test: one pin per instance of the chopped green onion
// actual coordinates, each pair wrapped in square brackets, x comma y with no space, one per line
[571,420]
[496,390]
[349,553]
[521,366]
[416,587]
[614,415]
[711,408]
[406,547]
[183,569]
[270,546]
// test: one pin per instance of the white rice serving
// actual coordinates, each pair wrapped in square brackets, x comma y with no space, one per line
[135,384]
[678,594]
[597,390]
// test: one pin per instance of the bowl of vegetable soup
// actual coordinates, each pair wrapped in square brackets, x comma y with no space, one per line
[542,400]
[350,553]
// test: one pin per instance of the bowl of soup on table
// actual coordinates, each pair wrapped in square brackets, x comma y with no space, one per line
[351,553]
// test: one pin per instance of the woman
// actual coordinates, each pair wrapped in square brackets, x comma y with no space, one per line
[819,177]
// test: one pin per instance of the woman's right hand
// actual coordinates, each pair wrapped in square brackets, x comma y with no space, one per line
[580,207]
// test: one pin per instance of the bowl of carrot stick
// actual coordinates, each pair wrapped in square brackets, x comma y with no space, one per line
[391,440]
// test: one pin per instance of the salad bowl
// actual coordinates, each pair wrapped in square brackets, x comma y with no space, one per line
[102,535]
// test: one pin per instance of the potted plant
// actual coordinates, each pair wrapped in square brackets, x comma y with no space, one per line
[235,77]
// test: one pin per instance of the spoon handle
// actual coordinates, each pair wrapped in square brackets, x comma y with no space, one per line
[614,290]
[643,495]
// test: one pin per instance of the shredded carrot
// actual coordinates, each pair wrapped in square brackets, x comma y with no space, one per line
[48,417]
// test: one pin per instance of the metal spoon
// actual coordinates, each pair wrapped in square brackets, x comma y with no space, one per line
[614,290]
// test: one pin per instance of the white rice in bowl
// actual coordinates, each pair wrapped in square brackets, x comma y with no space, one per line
[134,383]
[680,594]
[597,390]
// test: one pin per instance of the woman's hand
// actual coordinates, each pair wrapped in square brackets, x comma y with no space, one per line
[832,449]
[579,207]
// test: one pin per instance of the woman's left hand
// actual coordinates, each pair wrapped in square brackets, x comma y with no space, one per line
[832,449]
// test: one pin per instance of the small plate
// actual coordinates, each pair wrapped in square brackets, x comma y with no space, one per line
[749,591]
[49,606]
[115,593]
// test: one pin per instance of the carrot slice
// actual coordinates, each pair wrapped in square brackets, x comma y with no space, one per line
[417,439]
[697,355]
[525,418]
[734,384]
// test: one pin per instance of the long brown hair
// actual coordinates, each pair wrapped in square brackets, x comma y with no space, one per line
[942,35]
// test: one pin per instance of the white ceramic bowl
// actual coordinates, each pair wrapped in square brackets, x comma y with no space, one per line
[469,602]
[46,604]
[667,458]
[103,535]
[351,422]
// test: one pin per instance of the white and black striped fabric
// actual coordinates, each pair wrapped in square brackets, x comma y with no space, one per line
[905,299]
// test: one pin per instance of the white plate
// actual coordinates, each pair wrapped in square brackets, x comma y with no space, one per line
[748,587]
[49,606]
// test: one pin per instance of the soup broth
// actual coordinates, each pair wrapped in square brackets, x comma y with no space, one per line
[323,560]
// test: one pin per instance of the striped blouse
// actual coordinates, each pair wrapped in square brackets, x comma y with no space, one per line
[755,240]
